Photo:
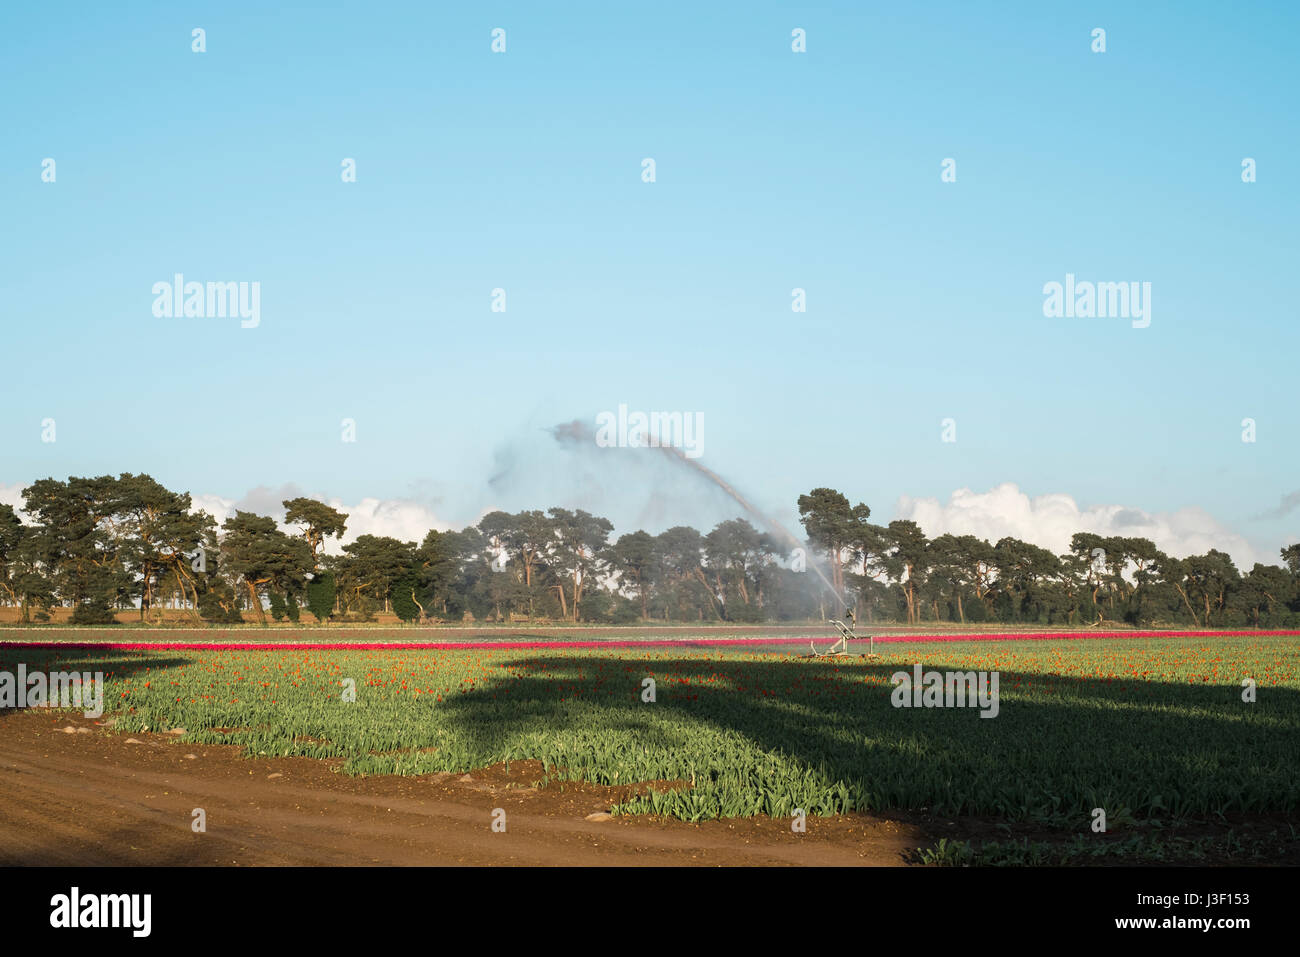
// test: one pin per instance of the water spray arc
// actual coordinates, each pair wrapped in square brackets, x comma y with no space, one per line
[578,432]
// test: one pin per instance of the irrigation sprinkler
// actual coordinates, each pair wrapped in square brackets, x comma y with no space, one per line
[841,647]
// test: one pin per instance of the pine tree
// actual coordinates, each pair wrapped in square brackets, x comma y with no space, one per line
[320,596]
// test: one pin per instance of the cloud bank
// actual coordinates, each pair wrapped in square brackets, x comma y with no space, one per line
[12,495]
[1044,520]
[402,519]
[1049,520]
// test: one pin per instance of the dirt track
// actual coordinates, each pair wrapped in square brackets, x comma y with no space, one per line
[90,798]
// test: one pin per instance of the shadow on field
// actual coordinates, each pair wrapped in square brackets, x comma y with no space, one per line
[123,847]
[1058,747]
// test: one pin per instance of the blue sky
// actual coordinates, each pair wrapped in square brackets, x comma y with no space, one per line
[775,170]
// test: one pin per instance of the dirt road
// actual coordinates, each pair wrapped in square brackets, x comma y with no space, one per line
[91,797]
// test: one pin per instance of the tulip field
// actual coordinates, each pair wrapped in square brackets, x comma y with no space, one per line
[1151,730]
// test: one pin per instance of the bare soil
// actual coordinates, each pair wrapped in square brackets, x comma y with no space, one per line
[89,797]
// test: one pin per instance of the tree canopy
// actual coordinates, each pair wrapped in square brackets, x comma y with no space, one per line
[105,544]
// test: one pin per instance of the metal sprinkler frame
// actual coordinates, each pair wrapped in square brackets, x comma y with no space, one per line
[841,647]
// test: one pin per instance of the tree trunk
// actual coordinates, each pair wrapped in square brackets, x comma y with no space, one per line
[1186,602]
[713,601]
[257,602]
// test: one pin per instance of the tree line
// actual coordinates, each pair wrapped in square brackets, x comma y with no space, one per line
[895,573]
[100,545]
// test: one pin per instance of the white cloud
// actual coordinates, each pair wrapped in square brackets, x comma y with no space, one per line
[216,506]
[12,494]
[403,519]
[1049,520]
